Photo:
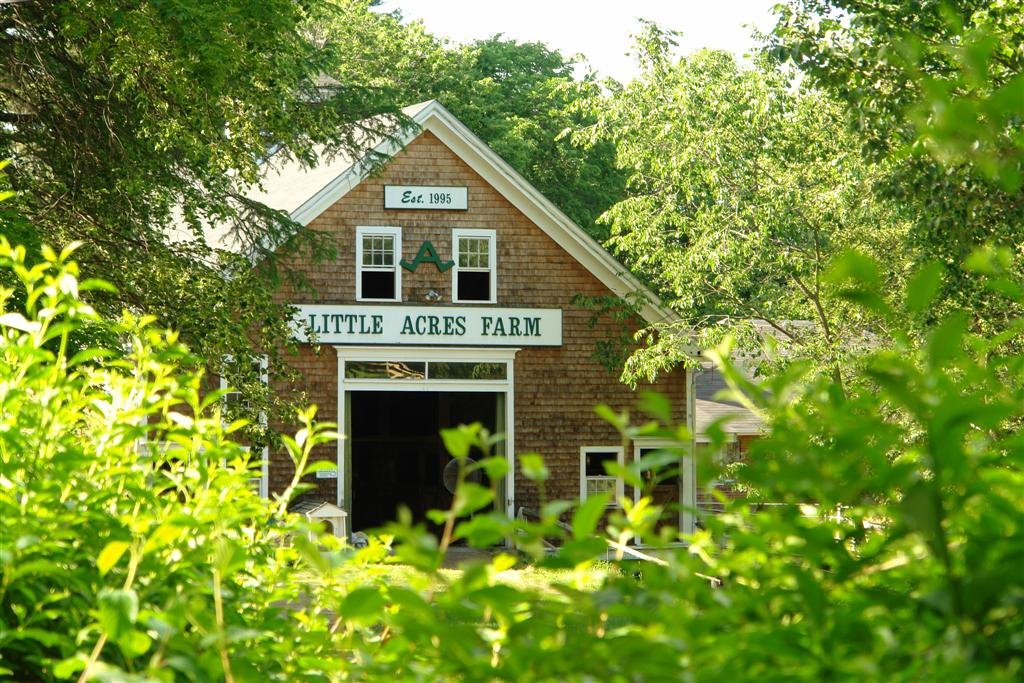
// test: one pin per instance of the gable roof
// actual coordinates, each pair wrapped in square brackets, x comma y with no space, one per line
[710,406]
[305,193]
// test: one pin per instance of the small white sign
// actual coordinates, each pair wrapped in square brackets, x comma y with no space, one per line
[327,474]
[426,197]
[437,325]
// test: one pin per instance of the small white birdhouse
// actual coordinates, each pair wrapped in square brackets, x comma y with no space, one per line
[335,519]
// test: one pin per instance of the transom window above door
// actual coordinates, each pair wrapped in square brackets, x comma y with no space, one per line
[378,277]
[474,277]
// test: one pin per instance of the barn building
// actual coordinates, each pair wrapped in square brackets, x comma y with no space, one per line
[451,301]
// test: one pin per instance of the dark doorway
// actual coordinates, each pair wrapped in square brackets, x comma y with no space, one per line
[398,457]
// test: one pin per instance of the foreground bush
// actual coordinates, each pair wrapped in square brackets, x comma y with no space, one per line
[131,540]
[133,549]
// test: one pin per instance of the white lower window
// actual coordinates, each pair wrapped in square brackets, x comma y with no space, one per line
[234,402]
[474,278]
[378,251]
[594,472]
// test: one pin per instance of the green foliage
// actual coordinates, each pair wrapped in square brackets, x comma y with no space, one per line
[914,576]
[134,126]
[743,186]
[938,88]
[520,98]
[132,539]
[133,548]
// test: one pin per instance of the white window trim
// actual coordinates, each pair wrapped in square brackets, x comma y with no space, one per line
[492,258]
[462,354]
[145,447]
[620,486]
[687,475]
[264,478]
[394,232]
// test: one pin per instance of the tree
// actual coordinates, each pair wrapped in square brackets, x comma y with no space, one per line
[133,549]
[521,98]
[135,126]
[742,187]
[940,87]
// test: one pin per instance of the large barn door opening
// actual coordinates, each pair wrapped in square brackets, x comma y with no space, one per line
[397,456]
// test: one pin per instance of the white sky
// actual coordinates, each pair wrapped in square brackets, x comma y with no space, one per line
[599,29]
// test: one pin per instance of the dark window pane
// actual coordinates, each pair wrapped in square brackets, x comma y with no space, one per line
[474,286]
[596,460]
[378,285]
[384,369]
[235,403]
[468,371]
[665,472]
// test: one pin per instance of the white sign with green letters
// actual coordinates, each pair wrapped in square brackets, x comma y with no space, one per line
[426,197]
[439,325]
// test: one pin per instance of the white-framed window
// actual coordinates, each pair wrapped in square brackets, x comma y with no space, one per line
[378,251]
[475,275]
[665,474]
[260,484]
[678,472]
[160,448]
[235,397]
[594,476]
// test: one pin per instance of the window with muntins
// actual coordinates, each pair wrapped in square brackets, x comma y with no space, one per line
[378,277]
[474,276]
[594,475]
[235,404]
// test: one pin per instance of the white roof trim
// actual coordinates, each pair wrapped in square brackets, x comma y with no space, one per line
[433,117]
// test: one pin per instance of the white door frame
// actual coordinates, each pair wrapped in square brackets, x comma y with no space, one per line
[444,354]
[686,483]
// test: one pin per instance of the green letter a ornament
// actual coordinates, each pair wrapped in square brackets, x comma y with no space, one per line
[426,254]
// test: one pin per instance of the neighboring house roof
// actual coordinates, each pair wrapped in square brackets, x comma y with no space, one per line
[305,193]
[708,408]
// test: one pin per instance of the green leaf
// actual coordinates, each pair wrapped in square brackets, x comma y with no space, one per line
[578,552]
[920,511]
[660,458]
[363,605]
[320,466]
[311,554]
[88,355]
[628,473]
[459,440]
[118,610]
[554,509]
[482,531]
[946,341]
[68,667]
[134,643]
[471,497]
[109,556]
[95,284]
[438,516]
[533,467]
[588,514]
[989,260]
[656,405]
[855,266]
[867,299]
[618,420]
[923,287]
[496,467]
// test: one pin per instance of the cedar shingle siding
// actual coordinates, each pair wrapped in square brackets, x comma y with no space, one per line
[555,387]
